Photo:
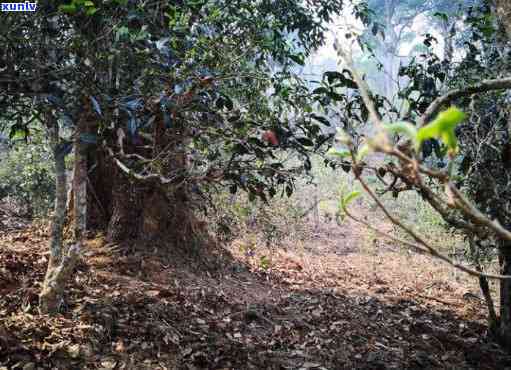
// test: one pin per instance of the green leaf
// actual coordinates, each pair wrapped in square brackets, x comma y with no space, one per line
[264,262]
[332,76]
[442,16]
[305,141]
[121,31]
[320,90]
[68,8]
[91,11]
[321,119]
[18,132]
[405,128]
[443,128]
[341,153]
[345,201]
[298,59]
[362,152]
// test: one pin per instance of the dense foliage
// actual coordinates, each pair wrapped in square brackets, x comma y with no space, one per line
[130,63]
[28,178]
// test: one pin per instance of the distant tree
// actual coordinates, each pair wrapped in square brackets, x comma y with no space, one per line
[393,28]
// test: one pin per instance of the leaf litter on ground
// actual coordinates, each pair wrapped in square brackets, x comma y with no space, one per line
[327,304]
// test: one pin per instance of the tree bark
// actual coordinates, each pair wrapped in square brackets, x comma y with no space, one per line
[61,263]
[503,8]
[504,329]
[126,208]
[80,178]
[449,30]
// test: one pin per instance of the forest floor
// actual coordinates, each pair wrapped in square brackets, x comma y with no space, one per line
[341,300]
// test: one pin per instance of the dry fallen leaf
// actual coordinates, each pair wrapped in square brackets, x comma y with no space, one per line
[310,365]
[119,346]
[74,350]
[152,293]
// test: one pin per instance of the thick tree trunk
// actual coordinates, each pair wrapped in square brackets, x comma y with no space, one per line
[127,209]
[100,181]
[130,209]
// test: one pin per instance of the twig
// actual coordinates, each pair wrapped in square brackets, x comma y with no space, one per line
[363,88]
[439,300]
[414,170]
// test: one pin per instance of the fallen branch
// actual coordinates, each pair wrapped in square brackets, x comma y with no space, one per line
[447,303]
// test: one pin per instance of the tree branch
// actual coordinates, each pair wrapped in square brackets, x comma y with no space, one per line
[428,248]
[477,216]
[481,87]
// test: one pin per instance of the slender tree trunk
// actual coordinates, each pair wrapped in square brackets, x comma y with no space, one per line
[80,179]
[505,296]
[493,322]
[449,30]
[503,8]
[59,214]
[61,263]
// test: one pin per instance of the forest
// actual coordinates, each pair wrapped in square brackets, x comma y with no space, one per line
[255,184]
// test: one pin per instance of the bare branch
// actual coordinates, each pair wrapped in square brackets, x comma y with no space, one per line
[437,203]
[412,170]
[178,181]
[362,85]
[477,216]
[481,87]
[128,171]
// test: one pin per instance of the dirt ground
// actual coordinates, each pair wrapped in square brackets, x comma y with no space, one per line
[341,300]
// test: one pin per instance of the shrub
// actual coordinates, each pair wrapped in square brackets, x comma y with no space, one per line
[27,177]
